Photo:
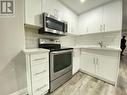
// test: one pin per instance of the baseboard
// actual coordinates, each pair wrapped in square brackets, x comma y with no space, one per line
[98,77]
[20,92]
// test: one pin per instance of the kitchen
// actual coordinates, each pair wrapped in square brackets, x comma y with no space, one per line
[88,44]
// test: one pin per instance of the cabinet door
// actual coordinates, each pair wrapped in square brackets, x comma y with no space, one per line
[73,23]
[67,15]
[49,6]
[91,21]
[87,62]
[107,66]
[41,86]
[94,20]
[83,24]
[112,16]
[33,11]
[76,60]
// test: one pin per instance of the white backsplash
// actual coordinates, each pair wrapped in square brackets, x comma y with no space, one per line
[32,36]
[67,41]
[109,39]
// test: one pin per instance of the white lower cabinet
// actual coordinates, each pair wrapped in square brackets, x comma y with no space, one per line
[37,69]
[40,87]
[88,62]
[107,66]
[76,60]
[101,64]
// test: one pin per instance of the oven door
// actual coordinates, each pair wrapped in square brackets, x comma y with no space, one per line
[60,63]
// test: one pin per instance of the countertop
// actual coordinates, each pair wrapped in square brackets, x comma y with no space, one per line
[40,50]
[37,50]
[95,47]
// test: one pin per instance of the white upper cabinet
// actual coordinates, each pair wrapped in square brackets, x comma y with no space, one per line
[49,6]
[35,8]
[106,18]
[82,24]
[55,8]
[112,16]
[95,20]
[33,11]
[91,21]
[67,15]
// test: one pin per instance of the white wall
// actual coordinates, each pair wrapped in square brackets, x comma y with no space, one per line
[11,59]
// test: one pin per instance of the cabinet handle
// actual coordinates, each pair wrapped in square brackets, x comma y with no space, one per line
[100,28]
[97,61]
[56,13]
[39,59]
[104,27]
[87,29]
[73,53]
[41,87]
[40,72]
[94,61]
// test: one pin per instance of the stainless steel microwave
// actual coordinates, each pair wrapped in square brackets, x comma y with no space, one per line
[53,25]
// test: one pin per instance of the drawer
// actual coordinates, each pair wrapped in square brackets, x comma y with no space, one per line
[40,87]
[40,61]
[40,71]
[40,67]
[38,57]
[38,76]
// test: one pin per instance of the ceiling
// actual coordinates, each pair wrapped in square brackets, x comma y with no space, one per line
[79,8]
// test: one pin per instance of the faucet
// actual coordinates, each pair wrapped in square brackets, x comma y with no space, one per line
[101,44]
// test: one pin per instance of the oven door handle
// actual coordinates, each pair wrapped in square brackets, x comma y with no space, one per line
[60,52]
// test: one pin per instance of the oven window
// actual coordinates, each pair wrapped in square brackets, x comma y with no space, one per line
[54,24]
[62,61]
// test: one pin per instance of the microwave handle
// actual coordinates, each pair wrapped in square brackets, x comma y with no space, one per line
[44,15]
[65,30]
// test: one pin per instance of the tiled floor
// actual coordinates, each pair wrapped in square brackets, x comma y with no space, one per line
[82,84]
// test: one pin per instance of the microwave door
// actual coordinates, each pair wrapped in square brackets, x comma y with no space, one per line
[54,24]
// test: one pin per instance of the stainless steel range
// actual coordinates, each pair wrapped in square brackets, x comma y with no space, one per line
[60,63]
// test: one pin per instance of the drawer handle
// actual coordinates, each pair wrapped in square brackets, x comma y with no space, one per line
[40,72]
[41,87]
[39,59]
